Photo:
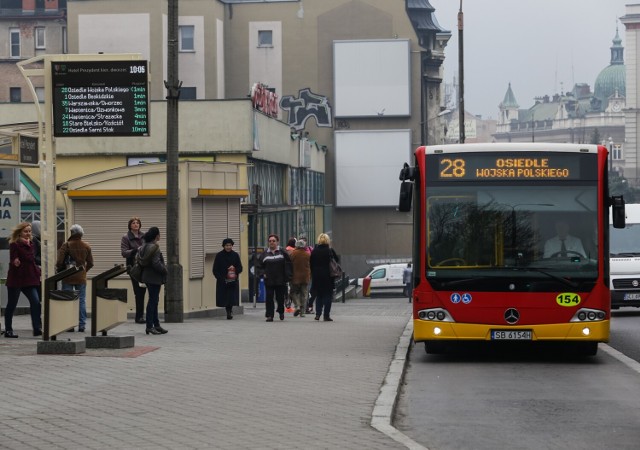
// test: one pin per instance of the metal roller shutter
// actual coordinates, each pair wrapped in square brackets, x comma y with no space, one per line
[221,220]
[196,265]
[105,222]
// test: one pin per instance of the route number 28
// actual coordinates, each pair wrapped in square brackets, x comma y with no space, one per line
[452,168]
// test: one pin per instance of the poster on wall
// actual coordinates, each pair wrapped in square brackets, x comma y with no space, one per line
[9,218]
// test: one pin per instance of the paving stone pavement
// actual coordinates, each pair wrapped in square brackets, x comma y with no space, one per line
[208,384]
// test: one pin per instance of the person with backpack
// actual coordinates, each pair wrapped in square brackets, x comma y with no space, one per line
[76,252]
[129,245]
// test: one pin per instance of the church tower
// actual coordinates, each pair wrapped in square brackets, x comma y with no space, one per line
[508,108]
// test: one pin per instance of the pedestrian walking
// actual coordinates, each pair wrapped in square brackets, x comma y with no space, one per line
[406,279]
[227,268]
[291,245]
[274,266]
[154,275]
[129,245]
[323,282]
[76,252]
[300,279]
[23,276]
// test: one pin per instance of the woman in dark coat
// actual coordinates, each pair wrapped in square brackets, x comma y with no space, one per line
[23,276]
[154,275]
[227,269]
[323,282]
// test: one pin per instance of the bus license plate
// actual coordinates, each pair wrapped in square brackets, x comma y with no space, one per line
[510,335]
[628,296]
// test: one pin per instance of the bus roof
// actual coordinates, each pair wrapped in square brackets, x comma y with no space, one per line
[512,146]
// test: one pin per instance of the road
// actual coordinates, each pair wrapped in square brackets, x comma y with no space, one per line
[480,398]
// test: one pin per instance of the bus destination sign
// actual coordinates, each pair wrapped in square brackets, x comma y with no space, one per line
[100,98]
[508,166]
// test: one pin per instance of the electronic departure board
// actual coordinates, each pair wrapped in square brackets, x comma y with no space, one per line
[512,166]
[100,98]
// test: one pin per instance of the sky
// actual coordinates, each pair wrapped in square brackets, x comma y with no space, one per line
[541,47]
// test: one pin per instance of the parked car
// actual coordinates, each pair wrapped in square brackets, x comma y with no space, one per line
[385,278]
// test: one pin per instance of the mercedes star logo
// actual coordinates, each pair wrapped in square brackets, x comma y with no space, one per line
[511,316]
[635,283]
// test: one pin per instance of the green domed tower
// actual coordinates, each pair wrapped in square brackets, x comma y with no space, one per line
[612,79]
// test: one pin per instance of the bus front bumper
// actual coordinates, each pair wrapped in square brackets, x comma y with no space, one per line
[424,330]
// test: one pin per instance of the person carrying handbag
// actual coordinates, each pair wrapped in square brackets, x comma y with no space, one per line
[322,279]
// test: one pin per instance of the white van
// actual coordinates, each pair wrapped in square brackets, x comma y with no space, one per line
[386,278]
[624,259]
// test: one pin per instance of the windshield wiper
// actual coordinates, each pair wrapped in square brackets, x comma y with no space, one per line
[464,280]
[624,255]
[543,270]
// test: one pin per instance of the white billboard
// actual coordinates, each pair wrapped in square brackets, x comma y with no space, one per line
[372,78]
[367,166]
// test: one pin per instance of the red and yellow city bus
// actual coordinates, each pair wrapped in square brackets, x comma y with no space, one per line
[510,243]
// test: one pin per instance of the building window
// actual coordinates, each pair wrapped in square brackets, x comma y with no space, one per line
[40,41]
[265,38]
[186,38]
[617,152]
[40,94]
[14,40]
[15,95]
[188,93]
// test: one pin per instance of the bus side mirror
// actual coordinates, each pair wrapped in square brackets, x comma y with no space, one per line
[406,191]
[617,212]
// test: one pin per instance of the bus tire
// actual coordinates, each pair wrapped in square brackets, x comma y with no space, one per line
[434,347]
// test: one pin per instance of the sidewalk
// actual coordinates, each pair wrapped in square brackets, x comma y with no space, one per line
[208,383]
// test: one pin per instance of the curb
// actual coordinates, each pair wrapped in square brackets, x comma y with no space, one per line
[387,399]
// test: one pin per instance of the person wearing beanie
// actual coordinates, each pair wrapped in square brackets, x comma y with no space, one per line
[76,252]
[129,245]
[154,275]
[227,268]
[301,277]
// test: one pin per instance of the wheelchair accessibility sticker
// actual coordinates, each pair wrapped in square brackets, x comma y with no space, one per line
[464,298]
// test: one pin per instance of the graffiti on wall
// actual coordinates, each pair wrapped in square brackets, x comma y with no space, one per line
[305,106]
[264,99]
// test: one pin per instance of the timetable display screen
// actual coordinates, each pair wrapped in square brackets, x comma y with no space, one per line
[496,166]
[100,98]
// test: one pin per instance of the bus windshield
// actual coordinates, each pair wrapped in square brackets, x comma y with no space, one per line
[487,230]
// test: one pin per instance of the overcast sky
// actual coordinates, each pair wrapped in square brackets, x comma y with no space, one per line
[540,46]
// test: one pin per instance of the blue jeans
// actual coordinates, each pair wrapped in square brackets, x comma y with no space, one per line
[13,295]
[152,305]
[82,320]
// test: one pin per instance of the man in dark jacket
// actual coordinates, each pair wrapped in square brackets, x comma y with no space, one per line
[274,266]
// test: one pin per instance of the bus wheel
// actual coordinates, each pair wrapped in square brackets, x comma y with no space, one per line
[434,347]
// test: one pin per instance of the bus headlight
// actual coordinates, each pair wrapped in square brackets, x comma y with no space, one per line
[588,315]
[435,314]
